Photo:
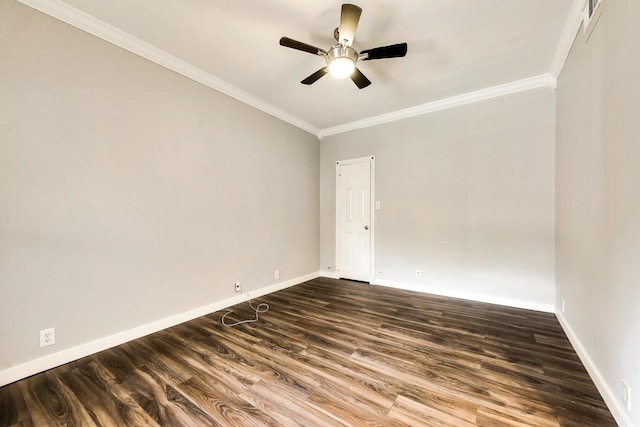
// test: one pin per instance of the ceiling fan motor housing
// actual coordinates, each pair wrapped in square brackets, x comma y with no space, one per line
[342,51]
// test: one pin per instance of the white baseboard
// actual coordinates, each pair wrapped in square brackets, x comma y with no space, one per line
[279,286]
[329,274]
[35,366]
[616,407]
[510,302]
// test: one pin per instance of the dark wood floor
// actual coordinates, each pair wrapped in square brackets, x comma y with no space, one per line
[327,353]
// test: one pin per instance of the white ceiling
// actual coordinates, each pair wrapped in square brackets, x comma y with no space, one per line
[455,47]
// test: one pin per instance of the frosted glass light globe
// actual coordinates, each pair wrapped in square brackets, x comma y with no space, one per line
[341,68]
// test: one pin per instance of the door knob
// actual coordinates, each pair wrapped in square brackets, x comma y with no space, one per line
[366,227]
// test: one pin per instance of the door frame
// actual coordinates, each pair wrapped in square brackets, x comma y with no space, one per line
[372,163]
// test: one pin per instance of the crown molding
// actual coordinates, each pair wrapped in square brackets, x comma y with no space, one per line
[92,25]
[567,37]
[543,80]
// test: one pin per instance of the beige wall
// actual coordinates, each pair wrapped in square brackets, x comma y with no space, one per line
[467,197]
[129,193]
[598,198]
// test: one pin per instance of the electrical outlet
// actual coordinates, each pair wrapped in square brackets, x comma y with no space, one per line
[276,274]
[564,307]
[626,395]
[237,287]
[418,274]
[47,337]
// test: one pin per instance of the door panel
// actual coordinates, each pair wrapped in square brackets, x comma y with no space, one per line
[354,220]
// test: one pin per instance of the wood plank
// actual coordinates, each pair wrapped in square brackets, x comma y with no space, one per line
[415,413]
[13,408]
[105,401]
[50,402]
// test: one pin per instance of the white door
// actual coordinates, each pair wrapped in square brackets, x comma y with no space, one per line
[354,225]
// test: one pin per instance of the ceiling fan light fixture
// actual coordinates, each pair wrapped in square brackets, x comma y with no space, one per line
[341,68]
[341,60]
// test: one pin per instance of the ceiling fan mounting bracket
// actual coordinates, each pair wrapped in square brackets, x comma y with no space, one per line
[336,35]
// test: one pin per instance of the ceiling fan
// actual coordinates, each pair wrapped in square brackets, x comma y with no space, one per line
[341,59]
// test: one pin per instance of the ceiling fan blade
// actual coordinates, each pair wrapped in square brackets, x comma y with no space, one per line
[315,76]
[392,51]
[295,44]
[360,79]
[349,18]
